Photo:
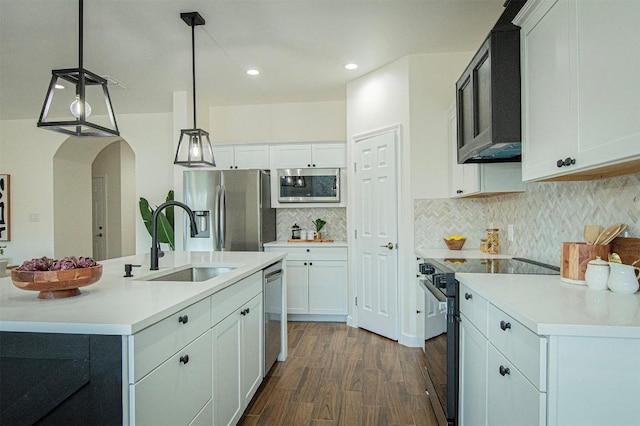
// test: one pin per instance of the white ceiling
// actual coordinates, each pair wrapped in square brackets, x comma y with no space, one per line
[300,46]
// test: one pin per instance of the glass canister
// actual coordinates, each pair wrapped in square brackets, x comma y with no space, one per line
[483,245]
[493,241]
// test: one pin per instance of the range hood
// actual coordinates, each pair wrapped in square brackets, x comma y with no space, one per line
[488,96]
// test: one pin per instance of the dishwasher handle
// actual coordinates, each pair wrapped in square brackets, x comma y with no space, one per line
[273,275]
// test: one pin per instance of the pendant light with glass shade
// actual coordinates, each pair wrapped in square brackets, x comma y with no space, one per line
[194,146]
[66,106]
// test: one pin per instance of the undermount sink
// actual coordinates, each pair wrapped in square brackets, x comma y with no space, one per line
[194,274]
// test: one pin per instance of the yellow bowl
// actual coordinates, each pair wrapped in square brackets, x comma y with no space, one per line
[56,284]
[455,244]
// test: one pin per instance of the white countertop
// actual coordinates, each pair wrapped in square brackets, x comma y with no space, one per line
[444,253]
[306,244]
[122,306]
[548,306]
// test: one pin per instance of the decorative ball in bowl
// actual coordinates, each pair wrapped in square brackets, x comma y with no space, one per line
[56,284]
[455,242]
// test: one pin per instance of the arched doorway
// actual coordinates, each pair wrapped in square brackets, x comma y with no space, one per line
[76,166]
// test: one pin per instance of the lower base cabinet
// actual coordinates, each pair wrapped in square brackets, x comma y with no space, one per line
[473,380]
[237,361]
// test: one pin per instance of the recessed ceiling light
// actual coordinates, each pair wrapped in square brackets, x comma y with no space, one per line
[351,66]
[253,72]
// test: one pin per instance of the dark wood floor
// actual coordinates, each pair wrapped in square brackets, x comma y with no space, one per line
[339,375]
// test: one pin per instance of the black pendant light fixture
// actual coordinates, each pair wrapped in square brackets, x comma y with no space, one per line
[70,97]
[194,146]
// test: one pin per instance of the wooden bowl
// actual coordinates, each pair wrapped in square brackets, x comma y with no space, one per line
[56,284]
[455,244]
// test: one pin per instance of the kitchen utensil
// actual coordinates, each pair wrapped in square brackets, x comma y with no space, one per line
[621,227]
[597,274]
[622,279]
[591,233]
[609,233]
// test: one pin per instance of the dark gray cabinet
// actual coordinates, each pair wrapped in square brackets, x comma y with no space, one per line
[488,99]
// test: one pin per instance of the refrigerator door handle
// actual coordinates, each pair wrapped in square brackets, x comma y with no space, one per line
[216,218]
[223,216]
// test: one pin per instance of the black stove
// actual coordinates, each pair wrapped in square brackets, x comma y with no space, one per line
[516,265]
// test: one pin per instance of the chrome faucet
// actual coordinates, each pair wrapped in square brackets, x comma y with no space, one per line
[155,245]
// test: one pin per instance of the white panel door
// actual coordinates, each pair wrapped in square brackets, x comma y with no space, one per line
[376,225]
[99,222]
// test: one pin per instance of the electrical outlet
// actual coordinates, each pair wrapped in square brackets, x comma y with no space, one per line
[510,233]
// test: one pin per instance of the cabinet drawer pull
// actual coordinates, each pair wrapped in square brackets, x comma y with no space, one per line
[505,325]
[468,296]
[566,162]
[504,370]
[184,359]
[183,319]
[245,311]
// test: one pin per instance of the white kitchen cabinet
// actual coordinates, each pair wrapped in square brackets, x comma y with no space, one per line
[579,108]
[307,155]
[480,180]
[177,390]
[170,368]
[237,349]
[316,280]
[241,157]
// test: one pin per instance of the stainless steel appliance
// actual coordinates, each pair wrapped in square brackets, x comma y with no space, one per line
[309,185]
[273,314]
[441,352]
[233,209]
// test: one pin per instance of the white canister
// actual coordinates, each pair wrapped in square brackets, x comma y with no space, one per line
[310,234]
[622,278]
[597,274]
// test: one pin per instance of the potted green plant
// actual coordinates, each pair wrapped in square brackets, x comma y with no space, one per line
[166,233]
[319,224]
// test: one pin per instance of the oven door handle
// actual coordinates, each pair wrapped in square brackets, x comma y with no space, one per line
[442,299]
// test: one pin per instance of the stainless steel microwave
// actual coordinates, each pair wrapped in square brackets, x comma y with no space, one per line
[309,185]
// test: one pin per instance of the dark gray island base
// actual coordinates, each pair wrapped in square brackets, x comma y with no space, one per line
[60,379]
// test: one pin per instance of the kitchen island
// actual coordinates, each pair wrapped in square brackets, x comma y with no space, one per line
[132,351]
[535,350]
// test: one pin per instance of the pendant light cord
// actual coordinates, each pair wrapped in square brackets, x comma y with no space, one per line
[193,67]
[80,26]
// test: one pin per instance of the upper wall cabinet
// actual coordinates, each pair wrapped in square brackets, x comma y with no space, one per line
[308,155]
[239,157]
[579,86]
[480,180]
[488,96]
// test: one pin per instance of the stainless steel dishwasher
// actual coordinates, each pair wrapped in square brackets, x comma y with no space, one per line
[272,294]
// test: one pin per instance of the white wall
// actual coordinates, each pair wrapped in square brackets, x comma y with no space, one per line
[414,92]
[286,122]
[27,155]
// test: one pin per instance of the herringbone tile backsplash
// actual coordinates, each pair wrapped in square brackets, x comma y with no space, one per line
[544,216]
[335,229]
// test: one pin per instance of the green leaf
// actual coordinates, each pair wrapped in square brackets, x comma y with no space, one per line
[165,231]
[319,223]
[169,210]
[146,212]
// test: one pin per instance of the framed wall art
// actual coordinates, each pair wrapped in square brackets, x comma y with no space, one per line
[5,208]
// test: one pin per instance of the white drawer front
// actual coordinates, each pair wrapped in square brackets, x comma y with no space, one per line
[314,252]
[224,302]
[521,346]
[151,346]
[176,391]
[474,307]
[512,400]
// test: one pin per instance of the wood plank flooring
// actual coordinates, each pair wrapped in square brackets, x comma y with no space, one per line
[339,375]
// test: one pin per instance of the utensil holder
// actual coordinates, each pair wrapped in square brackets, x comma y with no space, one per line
[574,258]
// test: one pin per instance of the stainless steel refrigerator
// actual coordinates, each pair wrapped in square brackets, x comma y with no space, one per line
[232,207]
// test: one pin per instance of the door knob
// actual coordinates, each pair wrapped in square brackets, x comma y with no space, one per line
[388,245]
[99,235]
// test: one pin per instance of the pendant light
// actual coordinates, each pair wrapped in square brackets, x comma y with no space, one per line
[70,97]
[194,146]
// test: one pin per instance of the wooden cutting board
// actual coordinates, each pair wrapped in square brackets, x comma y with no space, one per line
[627,248]
[310,241]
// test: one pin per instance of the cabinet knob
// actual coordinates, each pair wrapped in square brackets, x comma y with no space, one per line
[505,325]
[308,250]
[310,263]
[313,165]
[459,191]
[183,319]
[468,296]
[305,263]
[245,311]
[308,165]
[184,359]
[504,370]
[566,162]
